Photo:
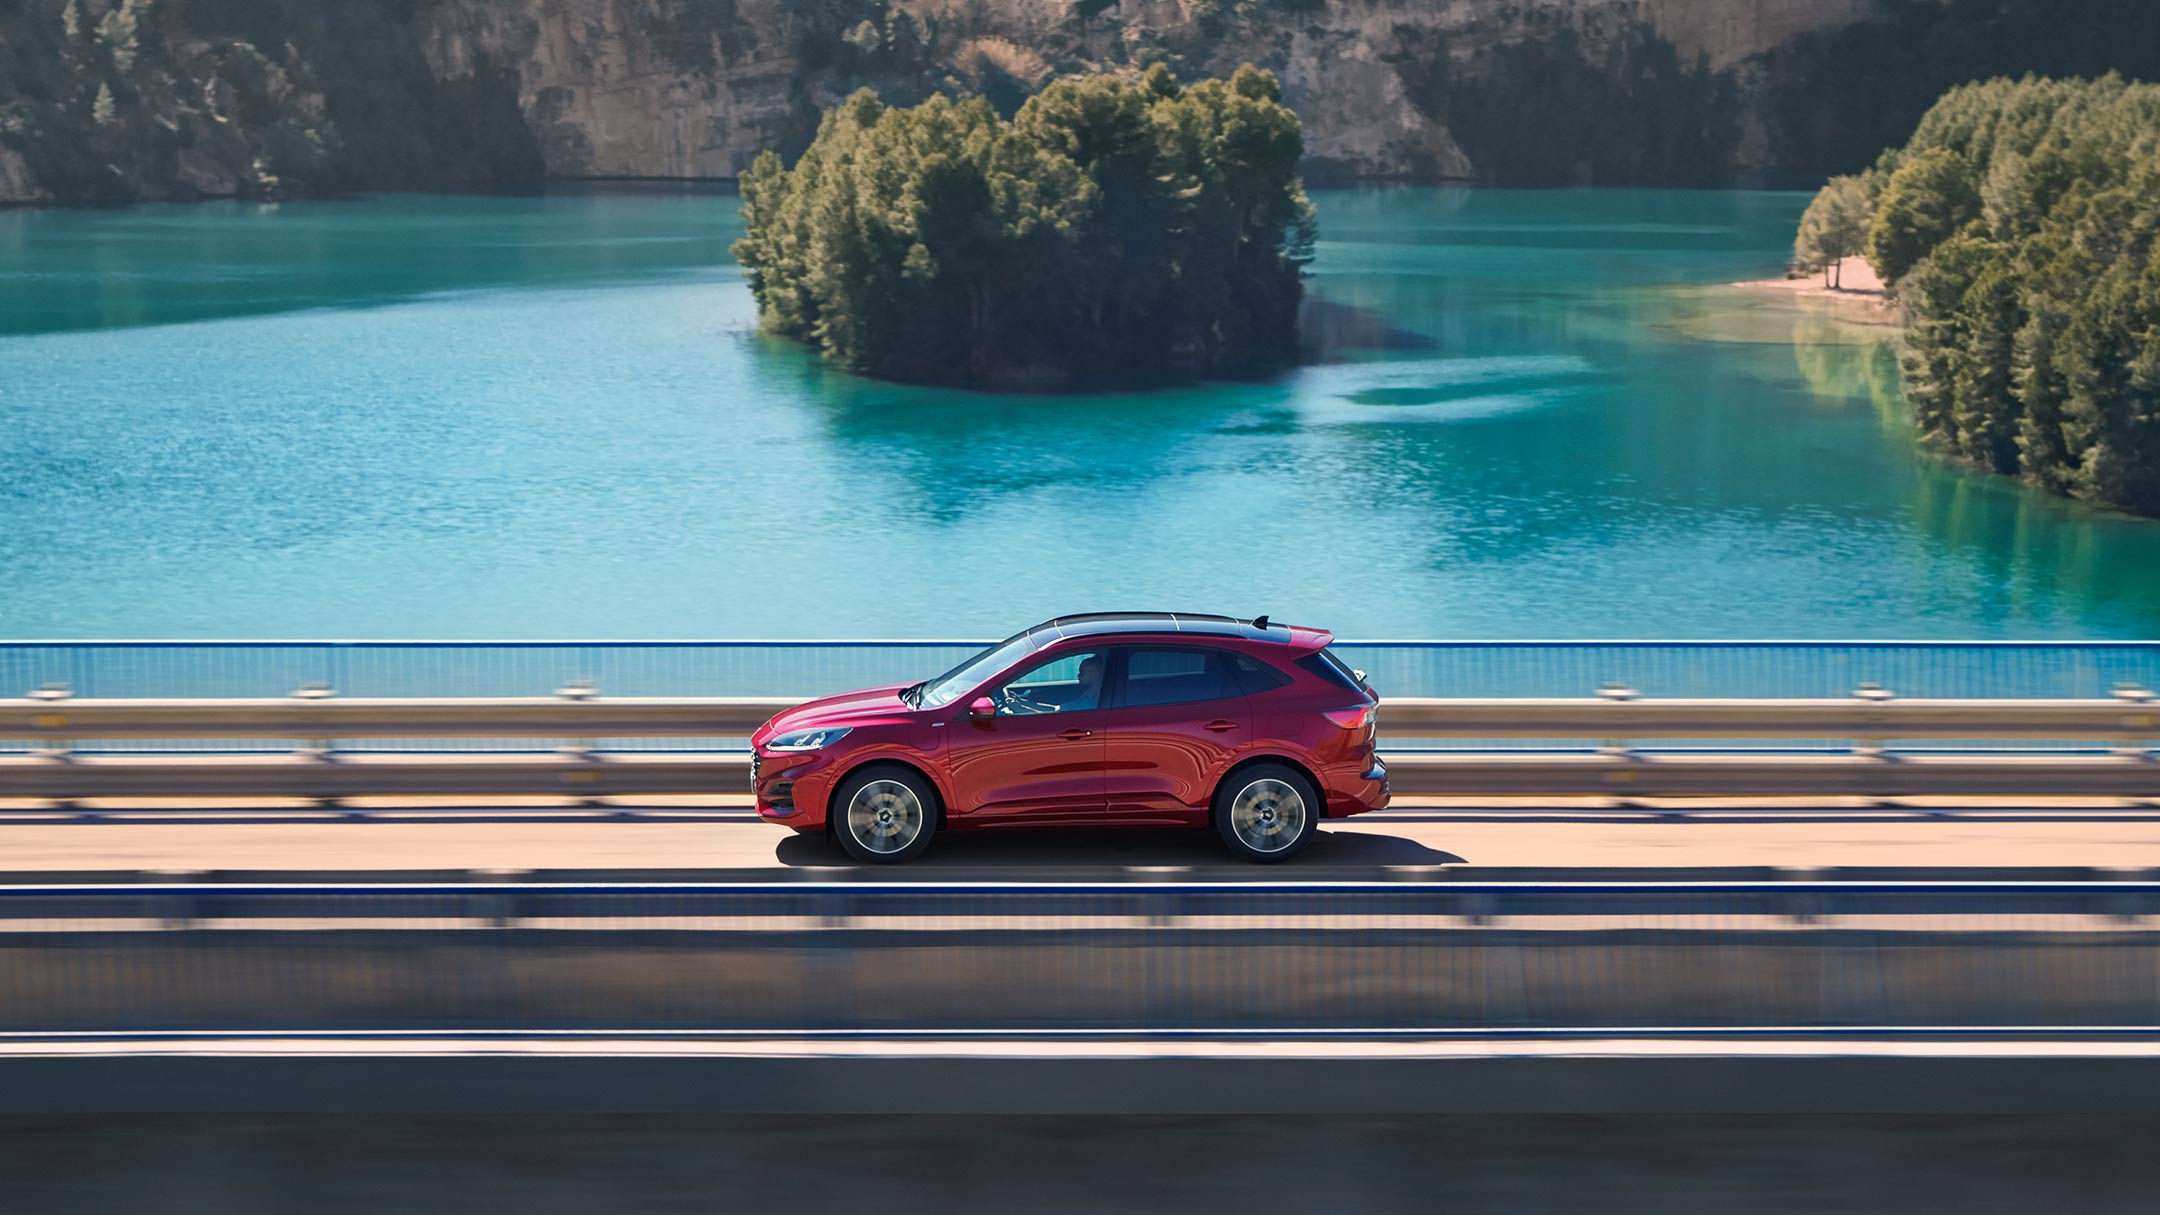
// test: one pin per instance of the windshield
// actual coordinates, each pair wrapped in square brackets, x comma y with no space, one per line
[969,675]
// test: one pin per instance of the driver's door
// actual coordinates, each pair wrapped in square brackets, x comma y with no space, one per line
[1039,760]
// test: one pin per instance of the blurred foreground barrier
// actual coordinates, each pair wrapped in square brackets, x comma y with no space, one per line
[1804,956]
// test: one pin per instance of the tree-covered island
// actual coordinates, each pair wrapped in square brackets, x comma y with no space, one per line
[1118,229]
[2016,231]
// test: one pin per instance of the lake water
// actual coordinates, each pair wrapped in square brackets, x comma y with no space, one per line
[1529,415]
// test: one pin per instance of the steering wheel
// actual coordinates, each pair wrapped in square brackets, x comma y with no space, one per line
[1015,703]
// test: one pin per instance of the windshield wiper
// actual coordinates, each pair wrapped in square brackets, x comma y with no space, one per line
[911,695]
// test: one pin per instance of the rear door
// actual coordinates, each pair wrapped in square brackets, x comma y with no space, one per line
[1177,721]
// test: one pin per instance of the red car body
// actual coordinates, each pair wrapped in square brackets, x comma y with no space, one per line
[1121,719]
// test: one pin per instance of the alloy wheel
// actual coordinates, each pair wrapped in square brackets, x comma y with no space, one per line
[885,816]
[1268,815]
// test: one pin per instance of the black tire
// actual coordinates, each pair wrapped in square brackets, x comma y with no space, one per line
[897,820]
[1279,815]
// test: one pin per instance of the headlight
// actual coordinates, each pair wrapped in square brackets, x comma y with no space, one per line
[806,740]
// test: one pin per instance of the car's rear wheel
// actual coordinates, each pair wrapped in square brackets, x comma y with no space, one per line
[884,815]
[1267,812]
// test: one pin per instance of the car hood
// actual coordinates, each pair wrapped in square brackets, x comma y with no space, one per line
[847,709]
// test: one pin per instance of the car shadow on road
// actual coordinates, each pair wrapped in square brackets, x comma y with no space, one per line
[1057,848]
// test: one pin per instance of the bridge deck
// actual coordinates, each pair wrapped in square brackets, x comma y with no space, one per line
[716,838]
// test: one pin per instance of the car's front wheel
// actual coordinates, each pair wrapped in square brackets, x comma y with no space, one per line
[884,815]
[1267,812]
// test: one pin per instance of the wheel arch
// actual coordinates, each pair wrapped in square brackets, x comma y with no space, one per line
[1312,780]
[867,762]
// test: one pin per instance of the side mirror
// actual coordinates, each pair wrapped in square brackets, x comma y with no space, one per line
[981,707]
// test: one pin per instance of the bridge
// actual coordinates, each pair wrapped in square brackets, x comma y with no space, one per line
[432,877]
[2018,719]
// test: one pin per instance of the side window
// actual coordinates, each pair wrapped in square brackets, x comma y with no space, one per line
[1177,676]
[1330,668]
[1255,676]
[1065,684]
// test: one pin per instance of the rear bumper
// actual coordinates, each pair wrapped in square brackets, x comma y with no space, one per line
[1358,792]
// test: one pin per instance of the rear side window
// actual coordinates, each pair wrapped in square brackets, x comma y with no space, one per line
[1328,667]
[1178,676]
[1255,676]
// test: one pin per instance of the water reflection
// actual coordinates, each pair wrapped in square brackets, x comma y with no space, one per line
[1332,329]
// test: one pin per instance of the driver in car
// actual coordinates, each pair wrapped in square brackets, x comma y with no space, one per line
[1082,693]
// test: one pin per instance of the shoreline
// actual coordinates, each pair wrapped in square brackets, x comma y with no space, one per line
[1861,299]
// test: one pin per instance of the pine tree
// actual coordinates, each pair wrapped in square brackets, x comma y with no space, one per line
[1984,408]
[101,110]
[1934,291]
[118,30]
[1930,197]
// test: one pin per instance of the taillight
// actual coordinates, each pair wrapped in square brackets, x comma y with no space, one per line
[1355,718]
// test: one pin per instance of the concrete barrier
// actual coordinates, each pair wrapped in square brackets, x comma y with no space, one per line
[888,1078]
[1279,977]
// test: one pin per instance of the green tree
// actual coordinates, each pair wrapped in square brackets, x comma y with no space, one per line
[1929,197]
[2107,353]
[1118,227]
[1834,228]
[2053,271]
[1934,293]
[2032,340]
[1983,414]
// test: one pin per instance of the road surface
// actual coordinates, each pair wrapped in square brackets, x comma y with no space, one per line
[721,841]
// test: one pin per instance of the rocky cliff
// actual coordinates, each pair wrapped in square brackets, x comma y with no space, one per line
[112,100]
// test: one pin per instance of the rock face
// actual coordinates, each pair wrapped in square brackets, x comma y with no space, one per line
[644,88]
[271,97]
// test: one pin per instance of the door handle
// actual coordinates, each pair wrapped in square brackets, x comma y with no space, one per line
[1221,724]
[1076,734]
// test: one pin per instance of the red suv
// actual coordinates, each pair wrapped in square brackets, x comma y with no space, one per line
[1143,719]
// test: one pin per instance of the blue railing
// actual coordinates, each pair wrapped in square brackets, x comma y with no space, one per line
[811,668]
[804,668]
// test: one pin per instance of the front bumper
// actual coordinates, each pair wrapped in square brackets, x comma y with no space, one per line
[791,787]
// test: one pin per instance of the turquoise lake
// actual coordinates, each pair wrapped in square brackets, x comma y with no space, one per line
[1527,415]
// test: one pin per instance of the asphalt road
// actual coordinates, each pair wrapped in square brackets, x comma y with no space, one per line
[531,1163]
[723,841]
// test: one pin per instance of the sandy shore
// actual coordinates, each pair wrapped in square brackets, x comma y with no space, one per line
[1858,299]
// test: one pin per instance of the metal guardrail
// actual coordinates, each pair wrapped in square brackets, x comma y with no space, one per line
[930,957]
[1601,726]
[1464,773]
[2131,717]
[305,716]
